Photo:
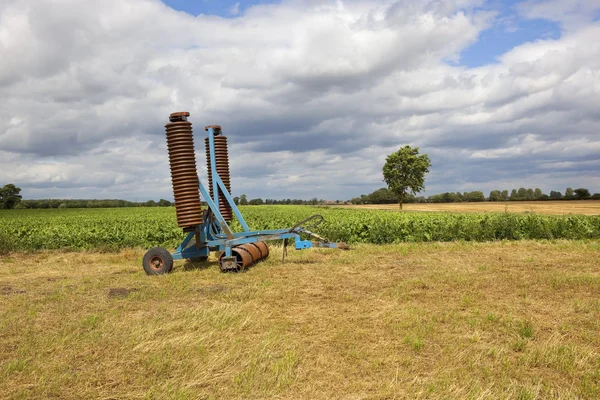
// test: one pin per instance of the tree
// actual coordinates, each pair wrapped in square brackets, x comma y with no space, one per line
[236,200]
[243,200]
[382,196]
[495,195]
[405,171]
[538,193]
[529,194]
[555,195]
[569,194]
[582,193]
[164,203]
[9,196]
[474,196]
[513,194]
[255,202]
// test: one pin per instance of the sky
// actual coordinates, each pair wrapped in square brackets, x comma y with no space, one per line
[312,94]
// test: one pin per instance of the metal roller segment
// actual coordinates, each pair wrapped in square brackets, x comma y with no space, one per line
[254,252]
[264,249]
[243,259]
[184,175]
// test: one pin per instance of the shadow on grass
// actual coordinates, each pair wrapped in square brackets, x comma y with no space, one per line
[199,265]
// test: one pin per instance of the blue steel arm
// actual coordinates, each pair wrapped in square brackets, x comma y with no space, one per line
[236,211]
[215,209]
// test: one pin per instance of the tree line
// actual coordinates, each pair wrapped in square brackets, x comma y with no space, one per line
[386,196]
[10,198]
[93,203]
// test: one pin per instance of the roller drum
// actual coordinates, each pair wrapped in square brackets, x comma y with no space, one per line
[262,248]
[184,175]
[254,252]
[243,258]
[222,166]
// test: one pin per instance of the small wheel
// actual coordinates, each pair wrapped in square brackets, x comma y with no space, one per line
[157,261]
[198,259]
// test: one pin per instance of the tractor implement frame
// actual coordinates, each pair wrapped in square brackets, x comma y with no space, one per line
[215,233]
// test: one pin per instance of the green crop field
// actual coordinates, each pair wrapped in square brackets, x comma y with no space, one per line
[112,229]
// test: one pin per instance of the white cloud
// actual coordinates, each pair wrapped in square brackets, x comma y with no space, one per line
[572,14]
[235,9]
[313,95]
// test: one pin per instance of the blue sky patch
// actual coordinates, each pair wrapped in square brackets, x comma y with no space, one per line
[509,31]
[502,38]
[222,8]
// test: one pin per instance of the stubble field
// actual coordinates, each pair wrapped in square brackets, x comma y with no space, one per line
[429,320]
[582,207]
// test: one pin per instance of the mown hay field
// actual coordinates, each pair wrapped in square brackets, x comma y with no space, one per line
[507,319]
[582,207]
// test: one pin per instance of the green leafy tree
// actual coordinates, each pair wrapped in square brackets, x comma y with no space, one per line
[582,193]
[538,193]
[236,200]
[569,193]
[474,196]
[243,200]
[405,171]
[555,195]
[530,194]
[9,196]
[504,195]
[495,195]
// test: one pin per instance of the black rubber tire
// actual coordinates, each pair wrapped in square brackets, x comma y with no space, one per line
[198,259]
[157,261]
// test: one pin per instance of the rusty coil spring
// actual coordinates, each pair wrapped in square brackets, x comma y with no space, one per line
[222,165]
[184,176]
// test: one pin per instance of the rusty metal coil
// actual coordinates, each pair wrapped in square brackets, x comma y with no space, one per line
[262,248]
[254,252]
[184,176]
[222,166]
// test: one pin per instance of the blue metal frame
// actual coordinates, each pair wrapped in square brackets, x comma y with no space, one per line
[214,234]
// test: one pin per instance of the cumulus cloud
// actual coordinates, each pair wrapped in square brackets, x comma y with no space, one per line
[571,14]
[313,95]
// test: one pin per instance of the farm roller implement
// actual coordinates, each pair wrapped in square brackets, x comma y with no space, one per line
[209,229]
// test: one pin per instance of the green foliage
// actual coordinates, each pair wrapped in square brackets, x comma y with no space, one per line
[89,203]
[405,171]
[9,196]
[582,193]
[569,193]
[380,196]
[111,229]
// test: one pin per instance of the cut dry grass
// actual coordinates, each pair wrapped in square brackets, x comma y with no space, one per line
[583,207]
[454,320]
